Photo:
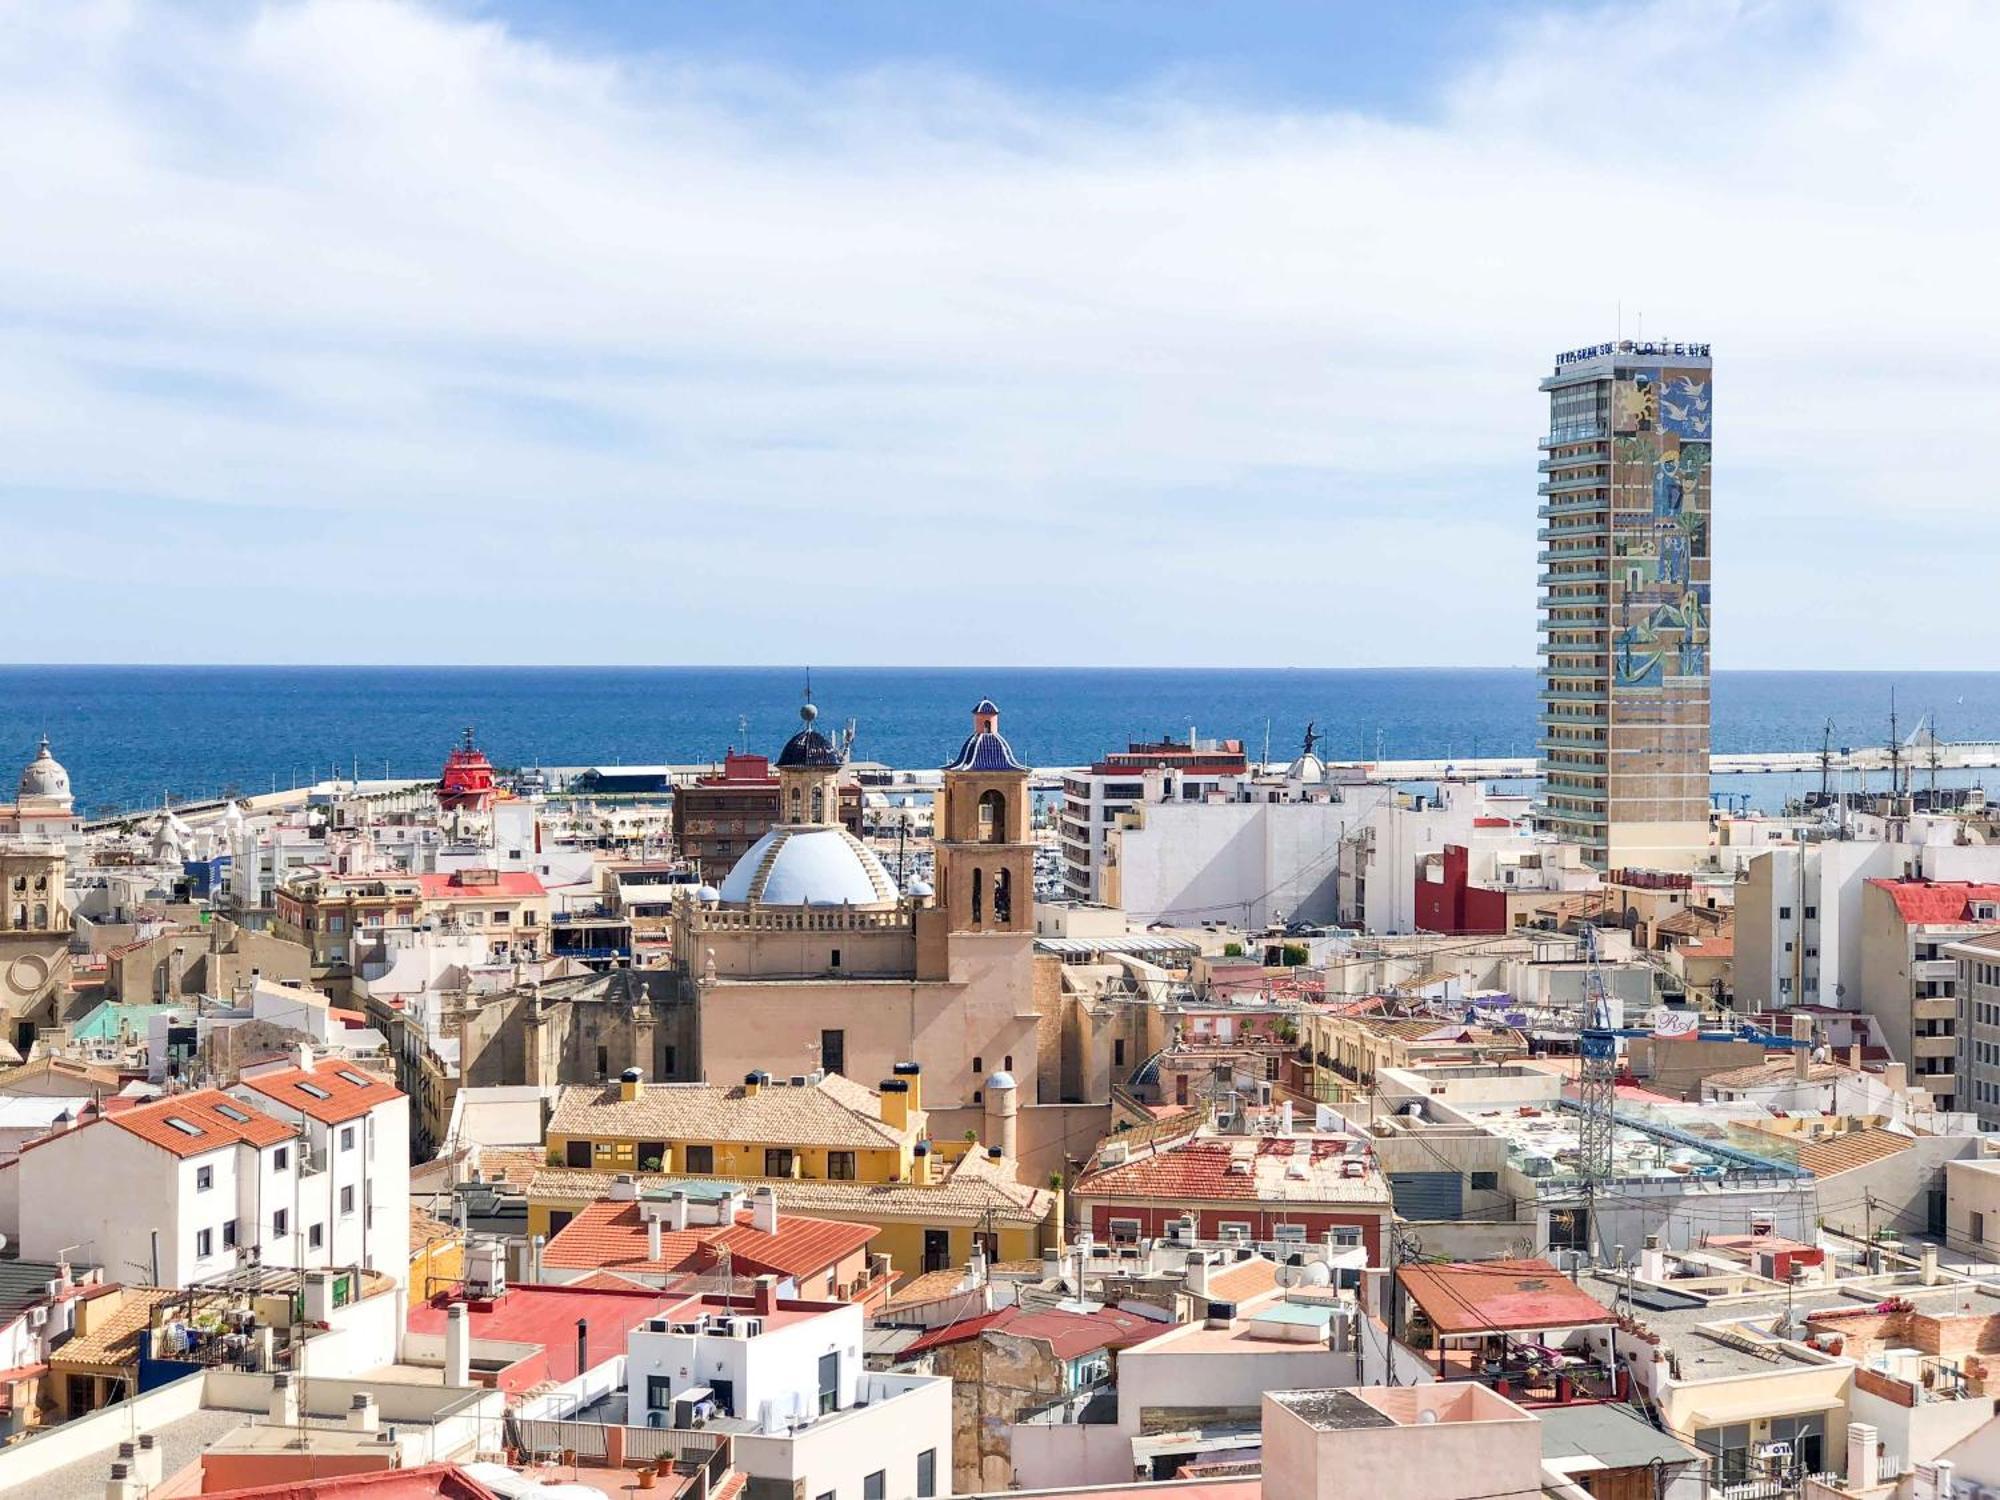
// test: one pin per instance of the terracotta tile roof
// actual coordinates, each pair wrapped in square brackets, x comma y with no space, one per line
[608,1235]
[1068,1334]
[1283,1171]
[928,1287]
[1853,1148]
[516,1166]
[1936,902]
[1248,1279]
[956,1200]
[114,1342]
[207,1122]
[832,1112]
[1773,1072]
[425,1230]
[1501,1296]
[1714,946]
[331,1092]
[58,1067]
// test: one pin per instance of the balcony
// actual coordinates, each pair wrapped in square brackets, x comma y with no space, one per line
[1934,1008]
[1934,968]
[1576,601]
[1570,486]
[1581,575]
[1933,1046]
[1573,505]
[1554,786]
[1564,533]
[1581,819]
[1582,433]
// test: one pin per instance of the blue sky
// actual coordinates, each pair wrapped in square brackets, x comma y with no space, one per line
[1136,333]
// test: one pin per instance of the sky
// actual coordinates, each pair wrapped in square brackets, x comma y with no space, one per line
[1140,333]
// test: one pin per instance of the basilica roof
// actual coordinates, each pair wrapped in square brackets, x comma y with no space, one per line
[809,749]
[810,864]
[986,748]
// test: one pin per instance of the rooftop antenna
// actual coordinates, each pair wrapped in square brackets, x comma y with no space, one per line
[1895,748]
[1826,764]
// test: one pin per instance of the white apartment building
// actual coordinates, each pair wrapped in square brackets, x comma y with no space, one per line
[1096,796]
[1798,907]
[1378,862]
[193,1185]
[786,1379]
[351,1196]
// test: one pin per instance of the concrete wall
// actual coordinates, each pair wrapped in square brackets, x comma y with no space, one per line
[1496,1454]
[834,1456]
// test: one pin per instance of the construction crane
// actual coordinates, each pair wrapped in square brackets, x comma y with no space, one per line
[1597,1078]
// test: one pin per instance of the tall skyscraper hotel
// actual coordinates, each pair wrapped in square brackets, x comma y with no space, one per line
[1626,465]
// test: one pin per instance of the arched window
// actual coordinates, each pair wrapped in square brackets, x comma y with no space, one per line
[41,882]
[20,915]
[819,804]
[1003,897]
[992,818]
[978,895]
[41,915]
[795,804]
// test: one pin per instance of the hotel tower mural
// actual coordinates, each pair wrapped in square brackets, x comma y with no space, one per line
[1625,611]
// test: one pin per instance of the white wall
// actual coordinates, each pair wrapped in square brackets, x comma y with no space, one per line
[835,1455]
[779,1366]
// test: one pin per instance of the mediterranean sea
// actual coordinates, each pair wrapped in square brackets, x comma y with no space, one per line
[131,734]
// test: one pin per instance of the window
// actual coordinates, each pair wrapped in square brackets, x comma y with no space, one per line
[1118,1052]
[346,1202]
[698,1160]
[1784,914]
[833,1051]
[659,1392]
[315,1236]
[1979,1229]
[204,1179]
[231,1112]
[281,1159]
[347,1137]
[1347,1235]
[204,1243]
[1812,913]
[229,1234]
[281,1222]
[979,1065]
[1235,1229]
[926,1473]
[835,960]
[876,1486]
[1125,1230]
[777,1161]
[840,1166]
[1290,1234]
[576,1154]
[1486,1182]
[314,1091]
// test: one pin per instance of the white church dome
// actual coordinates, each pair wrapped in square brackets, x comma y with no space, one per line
[809,865]
[44,775]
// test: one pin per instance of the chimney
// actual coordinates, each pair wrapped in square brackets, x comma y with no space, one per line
[764,1296]
[677,1210]
[121,1485]
[1802,1051]
[1854,1056]
[1653,1260]
[319,1297]
[624,1189]
[975,1268]
[1196,1272]
[362,1413]
[920,1164]
[912,1074]
[764,1210]
[1863,1470]
[457,1347]
[1285,1118]
[753,1083]
[1928,1266]
[1003,1110]
[284,1410]
[631,1083]
[653,1237]
[895,1095]
[728,1206]
[150,1460]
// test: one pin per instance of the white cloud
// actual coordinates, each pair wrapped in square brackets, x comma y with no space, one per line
[686,364]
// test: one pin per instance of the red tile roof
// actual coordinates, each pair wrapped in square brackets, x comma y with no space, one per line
[1501,1296]
[1936,901]
[209,1129]
[505,883]
[1287,1170]
[1068,1334]
[609,1235]
[349,1092]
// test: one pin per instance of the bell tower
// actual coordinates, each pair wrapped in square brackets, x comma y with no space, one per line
[985,856]
[809,770]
